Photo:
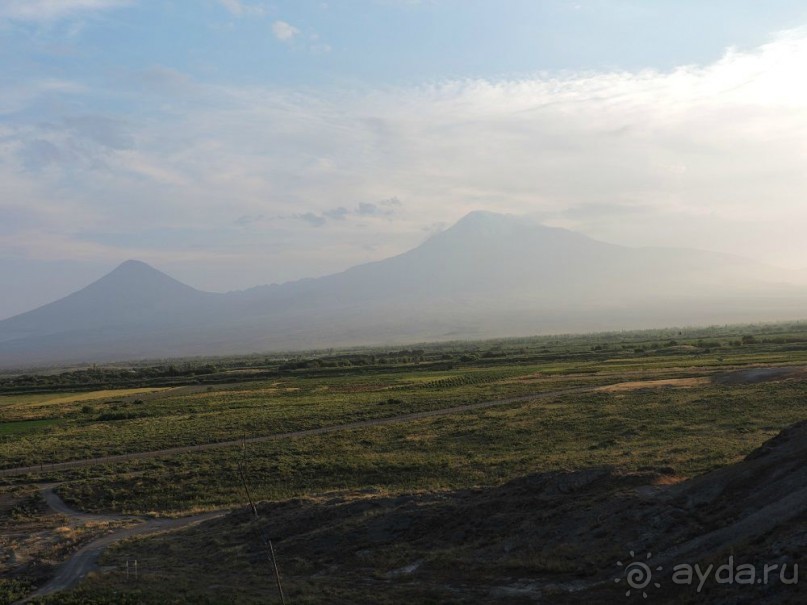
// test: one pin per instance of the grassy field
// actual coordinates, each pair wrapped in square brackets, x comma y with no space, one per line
[707,419]
[26,426]
[681,433]
[101,423]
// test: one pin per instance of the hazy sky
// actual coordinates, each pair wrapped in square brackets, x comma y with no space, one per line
[235,142]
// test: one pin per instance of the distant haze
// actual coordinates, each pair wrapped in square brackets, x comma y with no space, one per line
[489,275]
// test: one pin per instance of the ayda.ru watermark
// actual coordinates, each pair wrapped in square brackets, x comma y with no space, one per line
[641,577]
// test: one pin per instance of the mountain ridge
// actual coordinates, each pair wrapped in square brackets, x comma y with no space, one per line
[488,275]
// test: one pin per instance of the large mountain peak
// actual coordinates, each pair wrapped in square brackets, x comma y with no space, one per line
[483,220]
[491,233]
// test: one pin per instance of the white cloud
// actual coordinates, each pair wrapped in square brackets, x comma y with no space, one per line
[709,156]
[238,8]
[284,31]
[51,10]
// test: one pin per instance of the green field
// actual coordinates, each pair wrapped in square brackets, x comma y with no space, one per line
[26,426]
[712,417]
[683,433]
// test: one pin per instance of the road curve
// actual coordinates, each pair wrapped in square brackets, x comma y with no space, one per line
[60,466]
[86,558]
[56,504]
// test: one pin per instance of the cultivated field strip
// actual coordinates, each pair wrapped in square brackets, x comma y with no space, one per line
[61,466]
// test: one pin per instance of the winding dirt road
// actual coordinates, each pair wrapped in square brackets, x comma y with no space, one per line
[86,558]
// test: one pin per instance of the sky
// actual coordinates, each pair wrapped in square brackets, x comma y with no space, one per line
[233,143]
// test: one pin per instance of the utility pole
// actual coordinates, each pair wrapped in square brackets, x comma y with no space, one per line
[277,572]
[267,542]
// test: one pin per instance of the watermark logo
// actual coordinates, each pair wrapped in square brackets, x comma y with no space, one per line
[638,575]
[732,573]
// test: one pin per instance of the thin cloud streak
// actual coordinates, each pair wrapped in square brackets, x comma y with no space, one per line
[243,9]
[36,11]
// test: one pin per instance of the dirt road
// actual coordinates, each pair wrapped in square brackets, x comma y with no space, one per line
[743,376]
[86,558]
[60,466]
[56,504]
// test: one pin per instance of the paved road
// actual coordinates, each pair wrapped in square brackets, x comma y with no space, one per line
[86,558]
[60,466]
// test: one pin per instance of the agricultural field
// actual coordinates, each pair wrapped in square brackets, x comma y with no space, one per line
[364,448]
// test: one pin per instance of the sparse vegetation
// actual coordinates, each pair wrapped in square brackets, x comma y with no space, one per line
[681,413]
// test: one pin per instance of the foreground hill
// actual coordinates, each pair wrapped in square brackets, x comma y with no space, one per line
[488,275]
[557,537]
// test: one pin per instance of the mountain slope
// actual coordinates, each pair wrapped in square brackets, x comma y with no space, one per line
[488,275]
[488,255]
[134,292]
[493,275]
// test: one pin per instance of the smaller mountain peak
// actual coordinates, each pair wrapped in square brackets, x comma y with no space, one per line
[134,265]
[135,270]
[135,274]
